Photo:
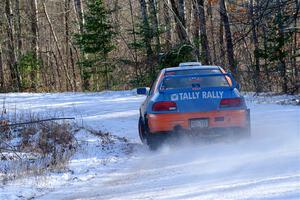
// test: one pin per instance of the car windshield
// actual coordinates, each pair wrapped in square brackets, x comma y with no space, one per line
[193,82]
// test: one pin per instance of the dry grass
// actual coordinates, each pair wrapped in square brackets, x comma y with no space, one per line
[35,148]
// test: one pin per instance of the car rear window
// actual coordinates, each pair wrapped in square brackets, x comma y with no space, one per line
[193,82]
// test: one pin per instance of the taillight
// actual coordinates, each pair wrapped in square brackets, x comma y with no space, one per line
[235,102]
[164,106]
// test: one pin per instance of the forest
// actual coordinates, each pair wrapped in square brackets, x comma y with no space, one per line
[95,45]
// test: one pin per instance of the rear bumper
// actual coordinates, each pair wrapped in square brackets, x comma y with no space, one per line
[216,119]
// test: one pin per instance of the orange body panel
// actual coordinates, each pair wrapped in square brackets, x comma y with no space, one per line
[167,122]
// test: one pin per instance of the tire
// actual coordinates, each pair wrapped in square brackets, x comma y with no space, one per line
[153,140]
[142,131]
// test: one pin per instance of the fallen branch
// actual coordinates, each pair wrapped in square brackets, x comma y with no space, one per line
[39,121]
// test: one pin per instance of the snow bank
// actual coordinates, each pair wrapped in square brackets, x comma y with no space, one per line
[272,98]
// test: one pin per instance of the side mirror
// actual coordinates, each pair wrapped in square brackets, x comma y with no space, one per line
[142,91]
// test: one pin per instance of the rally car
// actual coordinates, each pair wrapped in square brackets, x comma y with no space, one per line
[192,98]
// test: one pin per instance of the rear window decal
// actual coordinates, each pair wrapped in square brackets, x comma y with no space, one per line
[183,96]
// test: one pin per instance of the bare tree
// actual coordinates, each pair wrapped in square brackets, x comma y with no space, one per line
[1,56]
[212,31]
[35,37]
[295,67]
[196,28]
[12,63]
[68,48]
[155,26]
[228,37]
[18,28]
[167,20]
[203,36]
[135,53]
[68,79]
[178,11]
[1,70]
[222,61]
[256,47]
[147,35]
[282,62]
[181,12]
[79,12]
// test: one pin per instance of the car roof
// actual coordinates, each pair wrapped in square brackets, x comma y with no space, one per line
[191,67]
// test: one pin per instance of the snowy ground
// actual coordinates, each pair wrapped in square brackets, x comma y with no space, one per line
[265,167]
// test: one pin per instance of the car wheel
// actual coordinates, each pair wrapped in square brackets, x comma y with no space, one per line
[142,131]
[153,140]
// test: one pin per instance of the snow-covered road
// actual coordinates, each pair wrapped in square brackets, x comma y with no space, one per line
[265,167]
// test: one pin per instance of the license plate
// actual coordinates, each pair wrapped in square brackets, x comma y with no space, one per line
[199,123]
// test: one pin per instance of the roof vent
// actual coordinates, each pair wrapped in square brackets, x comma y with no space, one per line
[189,64]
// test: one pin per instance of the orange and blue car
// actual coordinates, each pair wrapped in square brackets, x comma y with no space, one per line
[192,98]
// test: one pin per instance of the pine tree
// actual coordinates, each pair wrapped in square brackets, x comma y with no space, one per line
[96,43]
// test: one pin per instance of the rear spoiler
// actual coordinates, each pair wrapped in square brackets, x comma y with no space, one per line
[229,77]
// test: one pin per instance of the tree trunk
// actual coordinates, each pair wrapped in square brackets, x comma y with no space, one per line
[106,77]
[2,85]
[180,20]
[181,12]
[12,63]
[228,38]
[18,29]
[188,14]
[73,70]
[168,26]
[60,88]
[147,36]
[67,46]
[295,52]
[80,19]
[195,29]
[34,40]
[135,54]
[155,25]
[221,45]
[1,70]
[212,31]
[256,48]
[266,61]
[57,46]
[282,63]
[295,67]
[79,13]
[205,55]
